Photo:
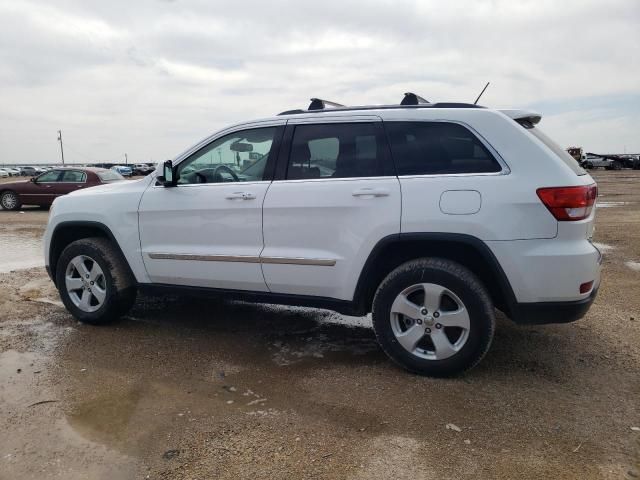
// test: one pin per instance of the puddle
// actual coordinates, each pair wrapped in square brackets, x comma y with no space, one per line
[20,251]
[603,247]
[635,266]
[107,417]
[612,204]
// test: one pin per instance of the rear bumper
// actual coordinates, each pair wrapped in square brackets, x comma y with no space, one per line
[541,313]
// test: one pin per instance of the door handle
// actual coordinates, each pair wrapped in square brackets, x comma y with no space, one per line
[371,192]
[240,196]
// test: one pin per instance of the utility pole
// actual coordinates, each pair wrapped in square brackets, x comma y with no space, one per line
[126,160]
[61,149]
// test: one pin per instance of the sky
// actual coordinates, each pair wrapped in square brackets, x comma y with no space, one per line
[149,78]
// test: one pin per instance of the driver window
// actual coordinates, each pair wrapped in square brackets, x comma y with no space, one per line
[50,176]
[238,157]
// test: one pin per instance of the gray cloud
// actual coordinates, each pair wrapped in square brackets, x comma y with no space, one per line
[151,77]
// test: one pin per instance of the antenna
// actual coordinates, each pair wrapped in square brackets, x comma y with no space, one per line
[485,87]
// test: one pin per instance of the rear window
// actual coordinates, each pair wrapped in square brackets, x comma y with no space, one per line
[436,148]
[571,162]
[109,176]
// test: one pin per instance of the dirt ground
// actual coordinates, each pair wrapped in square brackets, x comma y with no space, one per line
[195,389]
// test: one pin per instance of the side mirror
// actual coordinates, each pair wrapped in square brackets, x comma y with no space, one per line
[33,179]
[167,179]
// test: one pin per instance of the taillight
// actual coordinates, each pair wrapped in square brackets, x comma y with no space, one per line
[569,203]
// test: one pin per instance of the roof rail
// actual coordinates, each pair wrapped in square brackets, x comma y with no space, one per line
[413,99]
[320,104]
[410,100]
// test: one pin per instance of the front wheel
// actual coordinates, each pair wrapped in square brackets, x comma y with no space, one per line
[433,317]
[94,282]
[10,200]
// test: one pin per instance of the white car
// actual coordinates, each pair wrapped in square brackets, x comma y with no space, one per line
[427,215]
[4,173]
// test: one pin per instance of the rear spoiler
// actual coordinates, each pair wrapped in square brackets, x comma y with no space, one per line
[523,116]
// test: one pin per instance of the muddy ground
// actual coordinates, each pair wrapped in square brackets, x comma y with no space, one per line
[193,388]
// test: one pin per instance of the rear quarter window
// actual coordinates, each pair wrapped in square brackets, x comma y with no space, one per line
[571,162]
[436,148]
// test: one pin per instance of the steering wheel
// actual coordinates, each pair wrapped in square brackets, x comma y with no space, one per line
[221,168]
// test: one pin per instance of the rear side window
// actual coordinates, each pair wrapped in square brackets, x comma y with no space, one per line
[74,176]
[340,150]
[432,148]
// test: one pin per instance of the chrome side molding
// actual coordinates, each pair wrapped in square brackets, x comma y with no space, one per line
[322,262]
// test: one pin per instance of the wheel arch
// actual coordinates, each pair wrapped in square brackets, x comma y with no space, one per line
[470,251]
[67,232]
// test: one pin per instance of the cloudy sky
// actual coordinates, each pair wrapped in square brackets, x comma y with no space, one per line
[151,77]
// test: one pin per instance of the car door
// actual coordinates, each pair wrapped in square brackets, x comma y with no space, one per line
[70,181]
[334,197]
[41,190]
[207,230]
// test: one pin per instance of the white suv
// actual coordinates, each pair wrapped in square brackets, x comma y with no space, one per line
[427,215]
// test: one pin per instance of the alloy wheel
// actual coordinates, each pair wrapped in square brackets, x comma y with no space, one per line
[9,200]
[85,283]
[430,321]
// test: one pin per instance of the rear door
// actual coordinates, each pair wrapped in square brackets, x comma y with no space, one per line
[70,181]
[335,195]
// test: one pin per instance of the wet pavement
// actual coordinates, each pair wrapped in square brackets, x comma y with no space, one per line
[201,388]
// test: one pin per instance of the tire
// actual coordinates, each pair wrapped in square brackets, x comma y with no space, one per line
[589,166]
[10,200]
[462,299]
[616,165]
[114,290]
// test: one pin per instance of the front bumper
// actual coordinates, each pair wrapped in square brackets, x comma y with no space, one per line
[541,313]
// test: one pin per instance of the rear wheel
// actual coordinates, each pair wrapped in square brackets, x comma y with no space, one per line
[10,200]
[94,282]
[433,317]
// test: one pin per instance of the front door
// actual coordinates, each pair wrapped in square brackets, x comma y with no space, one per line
[207,230]
[42,189]
[324,213]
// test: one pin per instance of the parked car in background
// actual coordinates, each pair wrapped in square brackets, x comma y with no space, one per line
[46,187]
[10,171]
[630,161]
[28,171]
[598,161]
[4,173]
[124,170]
[142,169]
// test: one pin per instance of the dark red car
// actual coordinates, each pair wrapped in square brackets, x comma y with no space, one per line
[43,189]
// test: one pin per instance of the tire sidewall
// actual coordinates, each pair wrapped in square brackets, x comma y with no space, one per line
[476,302]
[109,308]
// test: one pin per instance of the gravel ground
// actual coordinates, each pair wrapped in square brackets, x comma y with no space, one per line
[186,388]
